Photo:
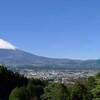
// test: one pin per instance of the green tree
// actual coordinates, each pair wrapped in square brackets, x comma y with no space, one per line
[32,90]
[35,87]
[8,81]
[96,92]
[90,82]
[80,92]
[19,94]
[98,75]
[55,91]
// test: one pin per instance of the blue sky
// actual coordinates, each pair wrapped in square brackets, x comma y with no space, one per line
[53,28]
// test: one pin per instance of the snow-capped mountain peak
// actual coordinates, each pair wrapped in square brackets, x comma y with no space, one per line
[6,45]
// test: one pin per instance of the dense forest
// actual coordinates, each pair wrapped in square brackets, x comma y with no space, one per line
[14,86]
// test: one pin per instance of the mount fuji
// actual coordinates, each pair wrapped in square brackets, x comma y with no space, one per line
[10,55]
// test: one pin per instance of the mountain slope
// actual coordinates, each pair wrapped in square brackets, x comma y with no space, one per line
[11,56]
[21,58]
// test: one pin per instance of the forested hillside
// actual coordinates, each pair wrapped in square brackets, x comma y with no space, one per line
[14,86]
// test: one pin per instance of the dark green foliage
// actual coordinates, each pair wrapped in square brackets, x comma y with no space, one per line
[35,87]
[55,91]
[90,82]
[14,86]
[80,92]
[9,80]
[32,90]
[96,92]
[98,75]
[38,82]
[19,94]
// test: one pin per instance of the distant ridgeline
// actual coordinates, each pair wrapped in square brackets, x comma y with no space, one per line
[11,56]
[19,58]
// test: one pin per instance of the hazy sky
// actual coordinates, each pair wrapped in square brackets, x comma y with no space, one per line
[53,28]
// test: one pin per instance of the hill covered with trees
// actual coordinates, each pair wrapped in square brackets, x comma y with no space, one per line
[14,86]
